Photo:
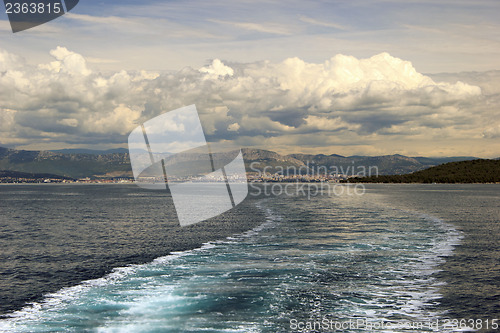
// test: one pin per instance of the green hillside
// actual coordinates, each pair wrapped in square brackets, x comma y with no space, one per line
[475,171]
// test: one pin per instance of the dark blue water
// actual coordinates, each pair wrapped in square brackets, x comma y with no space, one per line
[395,254]
[54,236]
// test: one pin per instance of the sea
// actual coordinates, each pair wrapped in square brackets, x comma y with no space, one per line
[300,258]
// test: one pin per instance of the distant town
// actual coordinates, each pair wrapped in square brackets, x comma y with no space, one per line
[36,180]
[22,178]
[263,166]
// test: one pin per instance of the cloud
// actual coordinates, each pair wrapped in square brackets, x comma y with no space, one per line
[67,61]
[492,132]
[169,35]
[268,27]
[233,127]
[139,25]
[313,21]
[343,101]
[9,61]
[217,69]
[105,20]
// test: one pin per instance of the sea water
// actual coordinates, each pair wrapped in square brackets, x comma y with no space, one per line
[379,261]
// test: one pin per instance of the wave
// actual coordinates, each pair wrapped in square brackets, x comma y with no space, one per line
[56,307]
[354,260]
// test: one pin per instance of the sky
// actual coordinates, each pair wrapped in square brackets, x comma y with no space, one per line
[418,78]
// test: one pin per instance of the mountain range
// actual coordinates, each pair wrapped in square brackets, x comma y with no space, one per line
[116,163]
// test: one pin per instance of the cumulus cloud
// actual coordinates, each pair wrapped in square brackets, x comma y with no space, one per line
[216,70]
[9,61]
[67,62]
[343,101]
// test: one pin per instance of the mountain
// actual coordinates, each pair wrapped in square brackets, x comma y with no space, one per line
[6,175]
[386,165]
[256,160]
[442,160]
[472,171]
[91,151]
[116,163]
[194,162]
[68,165]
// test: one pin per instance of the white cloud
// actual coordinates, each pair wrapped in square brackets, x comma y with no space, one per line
[9,61]
[67,61]
[145,26]
[268,27]
[342,101]
[217,69]
[233,127]
[105,20]
[329,125]
[313,21]
[168,35]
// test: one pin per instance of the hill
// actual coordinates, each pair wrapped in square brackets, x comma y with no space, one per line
[475,171]
[13,176]
[258,159]
[387,164]
[116,163]
[91,151]
[68,165]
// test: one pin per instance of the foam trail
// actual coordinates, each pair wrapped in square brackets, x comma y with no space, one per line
[128,282]
[333,257]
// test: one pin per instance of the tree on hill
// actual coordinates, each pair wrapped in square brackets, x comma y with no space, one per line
[475,171]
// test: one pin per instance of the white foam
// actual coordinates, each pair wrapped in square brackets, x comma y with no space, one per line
[52,302]
[441,246]
[416,291]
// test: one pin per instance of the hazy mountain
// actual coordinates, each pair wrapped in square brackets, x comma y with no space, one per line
[69,165]
[26,175]
[386,165]
[117,163]
[257,160]
[91,151]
